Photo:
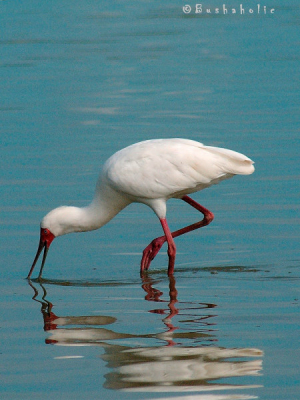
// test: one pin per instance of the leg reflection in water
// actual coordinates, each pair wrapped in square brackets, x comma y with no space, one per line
[154,295]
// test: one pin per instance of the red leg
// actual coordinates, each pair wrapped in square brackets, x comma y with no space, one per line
[171,246]
[153,248]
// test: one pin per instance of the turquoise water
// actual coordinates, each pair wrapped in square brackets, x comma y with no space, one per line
[79,81]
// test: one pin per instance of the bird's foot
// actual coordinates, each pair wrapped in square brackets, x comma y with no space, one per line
[150,252]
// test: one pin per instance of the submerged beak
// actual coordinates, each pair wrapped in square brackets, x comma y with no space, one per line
[46,238]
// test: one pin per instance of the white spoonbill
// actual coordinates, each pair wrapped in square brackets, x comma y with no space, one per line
[149,172]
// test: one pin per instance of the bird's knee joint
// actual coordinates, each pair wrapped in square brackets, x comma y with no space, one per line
[209,217]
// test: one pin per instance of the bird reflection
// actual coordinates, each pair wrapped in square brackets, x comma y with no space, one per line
[187,360]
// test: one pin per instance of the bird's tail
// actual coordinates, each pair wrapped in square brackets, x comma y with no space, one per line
[232,162]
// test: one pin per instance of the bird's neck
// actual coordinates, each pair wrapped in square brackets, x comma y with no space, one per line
[106,204]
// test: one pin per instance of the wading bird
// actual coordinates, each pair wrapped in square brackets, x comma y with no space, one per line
[149,172]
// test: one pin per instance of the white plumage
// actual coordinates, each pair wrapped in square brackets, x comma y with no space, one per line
[149,172]
[166,168]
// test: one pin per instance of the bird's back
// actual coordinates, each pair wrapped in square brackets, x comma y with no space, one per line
[165,168]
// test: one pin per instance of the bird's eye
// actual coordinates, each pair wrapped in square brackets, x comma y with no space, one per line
[45,231]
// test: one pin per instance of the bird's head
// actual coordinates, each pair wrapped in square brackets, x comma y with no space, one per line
[46,238]
[57,222]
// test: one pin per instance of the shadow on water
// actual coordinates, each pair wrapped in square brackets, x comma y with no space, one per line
[196,365]
[83,283]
